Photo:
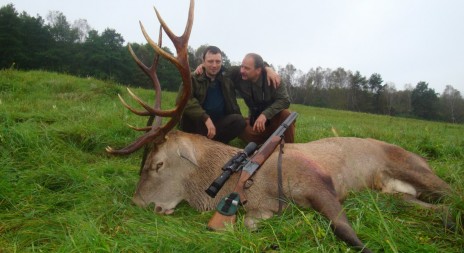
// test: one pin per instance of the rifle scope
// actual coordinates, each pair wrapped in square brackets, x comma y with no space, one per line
[233,165]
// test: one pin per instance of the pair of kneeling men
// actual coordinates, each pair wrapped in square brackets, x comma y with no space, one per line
[213,111]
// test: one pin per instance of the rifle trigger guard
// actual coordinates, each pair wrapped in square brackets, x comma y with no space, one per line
[248,183]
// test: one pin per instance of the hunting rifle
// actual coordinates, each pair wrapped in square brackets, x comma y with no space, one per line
[228,206]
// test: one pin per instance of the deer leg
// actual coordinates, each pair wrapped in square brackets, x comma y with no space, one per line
[328,205]
[413,200]
[314,187]
[446,217]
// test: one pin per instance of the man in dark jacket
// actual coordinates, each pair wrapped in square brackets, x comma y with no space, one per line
[212,109]
[268,105]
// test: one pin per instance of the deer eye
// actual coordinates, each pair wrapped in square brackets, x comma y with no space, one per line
[158,166]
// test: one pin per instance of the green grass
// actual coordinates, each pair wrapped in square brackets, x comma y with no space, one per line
[61,192]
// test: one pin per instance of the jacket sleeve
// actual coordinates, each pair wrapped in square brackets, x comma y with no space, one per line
[281,102]
[193,109]
[233,73]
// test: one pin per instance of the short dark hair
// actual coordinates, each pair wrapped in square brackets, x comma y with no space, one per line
[212,50]
[259,62]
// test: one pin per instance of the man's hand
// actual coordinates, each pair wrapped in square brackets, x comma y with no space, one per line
[199,69]
[272,77]
[260,124]
[211,128]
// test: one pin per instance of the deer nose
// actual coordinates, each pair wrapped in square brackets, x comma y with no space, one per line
[161,210]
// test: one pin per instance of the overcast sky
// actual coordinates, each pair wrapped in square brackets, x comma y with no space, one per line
[405,41]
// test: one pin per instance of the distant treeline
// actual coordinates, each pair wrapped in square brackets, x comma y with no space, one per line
[28,43]
[345,90]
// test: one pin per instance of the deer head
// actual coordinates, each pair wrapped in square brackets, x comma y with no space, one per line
[155,133]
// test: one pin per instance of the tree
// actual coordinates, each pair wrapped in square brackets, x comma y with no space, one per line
[10,37]
[424,101]
[36,40]
[103,56]
[61,29]
[23,40]
[338,83]
[375,83]
[375,88]
[357,84]
[191,58]
[61,53]
[290,77]
[451,101]
[388,97]
[314,87]
[83,28]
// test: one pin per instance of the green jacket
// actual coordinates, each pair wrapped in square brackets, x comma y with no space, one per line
[259,96]
[194,109]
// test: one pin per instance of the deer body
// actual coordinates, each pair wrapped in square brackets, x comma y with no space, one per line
[317,175]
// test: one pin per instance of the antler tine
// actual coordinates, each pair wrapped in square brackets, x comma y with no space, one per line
[157,134]
[179,42]
[157,48]
[150,110]
[158,85]
[137,144]
[145,129]
[140,113]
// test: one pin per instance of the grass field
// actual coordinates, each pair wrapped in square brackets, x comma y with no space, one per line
[61,192]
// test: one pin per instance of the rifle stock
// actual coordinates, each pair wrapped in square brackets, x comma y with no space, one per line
[219,221]
[226,212]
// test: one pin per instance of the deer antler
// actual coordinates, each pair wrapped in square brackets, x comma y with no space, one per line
[151,72]
[156,133]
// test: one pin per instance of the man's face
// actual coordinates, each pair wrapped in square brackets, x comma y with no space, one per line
[212,64]
[248,70]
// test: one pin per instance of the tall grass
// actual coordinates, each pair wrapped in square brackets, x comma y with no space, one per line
[60,191]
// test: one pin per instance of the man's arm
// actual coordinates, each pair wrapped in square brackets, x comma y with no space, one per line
[260,123]
[281,102]
[273,78]
[194,111]
[193,107]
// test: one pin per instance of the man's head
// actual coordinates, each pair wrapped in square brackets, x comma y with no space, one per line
[212,61]
[252,67]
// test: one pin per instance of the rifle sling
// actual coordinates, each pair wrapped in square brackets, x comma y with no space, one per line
[279,177]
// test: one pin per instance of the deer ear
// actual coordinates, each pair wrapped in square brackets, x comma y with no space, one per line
[186,150]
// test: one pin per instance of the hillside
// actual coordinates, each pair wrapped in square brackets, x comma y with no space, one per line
[61,192]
